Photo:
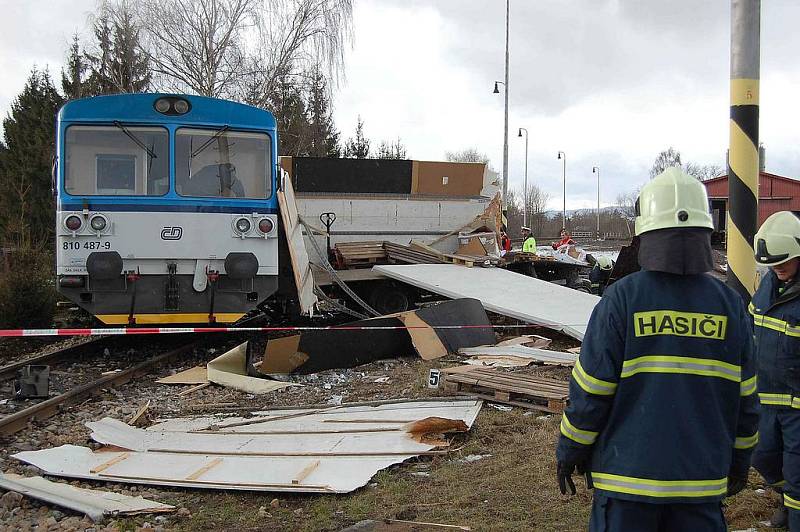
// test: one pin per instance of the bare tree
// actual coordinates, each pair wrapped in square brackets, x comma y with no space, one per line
[468,155]
[241,49]
[666,159]
[392,150]
[703,172]
[537,205]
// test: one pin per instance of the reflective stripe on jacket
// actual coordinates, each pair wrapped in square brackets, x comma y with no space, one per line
[663,393]
[776,320]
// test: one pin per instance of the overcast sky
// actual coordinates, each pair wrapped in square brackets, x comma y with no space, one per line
[610,82]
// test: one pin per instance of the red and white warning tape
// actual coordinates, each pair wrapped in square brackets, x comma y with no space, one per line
[119,331]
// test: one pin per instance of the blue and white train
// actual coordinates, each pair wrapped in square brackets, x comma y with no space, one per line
[166,208]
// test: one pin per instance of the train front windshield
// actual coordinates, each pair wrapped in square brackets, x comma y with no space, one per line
[116,161]
[222,163]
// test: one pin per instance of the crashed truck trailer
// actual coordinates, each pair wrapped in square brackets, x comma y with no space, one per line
[393,201]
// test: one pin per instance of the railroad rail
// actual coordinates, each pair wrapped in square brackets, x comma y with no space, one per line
[9,371]
[16,422]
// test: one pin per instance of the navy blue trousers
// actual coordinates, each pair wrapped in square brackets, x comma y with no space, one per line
[618,515]
[777,456]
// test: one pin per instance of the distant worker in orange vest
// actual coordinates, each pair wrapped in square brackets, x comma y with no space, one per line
[528,242]
[566,240]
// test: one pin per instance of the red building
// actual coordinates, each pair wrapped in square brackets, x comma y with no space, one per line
[775,193]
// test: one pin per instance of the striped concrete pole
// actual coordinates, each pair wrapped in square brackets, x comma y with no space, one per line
[743,155]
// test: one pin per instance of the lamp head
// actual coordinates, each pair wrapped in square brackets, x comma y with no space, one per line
[496,88]
[520,132]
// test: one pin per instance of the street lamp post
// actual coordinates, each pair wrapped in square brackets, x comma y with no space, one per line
[563,157]
[505,127]
[596,170]
[525,183]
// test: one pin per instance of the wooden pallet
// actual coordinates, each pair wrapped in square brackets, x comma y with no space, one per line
[355,254]
[526,391]
[470,260]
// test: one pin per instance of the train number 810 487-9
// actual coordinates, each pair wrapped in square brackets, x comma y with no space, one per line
[91,244]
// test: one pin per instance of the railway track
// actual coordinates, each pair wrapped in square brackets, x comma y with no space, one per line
[9,371]
[16,422]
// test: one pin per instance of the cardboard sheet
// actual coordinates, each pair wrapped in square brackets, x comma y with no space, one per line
[196,375]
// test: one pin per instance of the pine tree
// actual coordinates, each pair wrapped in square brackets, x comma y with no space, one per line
[100,77]
[73,82]
[118,63]
[294,130]
[324,141]
[26,200]
[130,67]
[357,147]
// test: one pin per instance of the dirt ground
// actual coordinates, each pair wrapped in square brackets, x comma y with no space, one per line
[499,476]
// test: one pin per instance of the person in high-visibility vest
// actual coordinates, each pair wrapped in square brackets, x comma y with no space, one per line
[600,274]
[528,242]
[776,315]
[663,412]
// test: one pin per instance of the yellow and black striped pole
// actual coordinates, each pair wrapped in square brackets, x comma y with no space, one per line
[743,154]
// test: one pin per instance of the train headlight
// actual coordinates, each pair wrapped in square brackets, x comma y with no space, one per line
[73,223]
[162,105]
[181,106]
[242,225]
[265,225]
[98,223]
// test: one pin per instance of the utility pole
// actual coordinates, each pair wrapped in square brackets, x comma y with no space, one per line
[596,170]
[505,127]
[525,182]
[563,157]
[743,155]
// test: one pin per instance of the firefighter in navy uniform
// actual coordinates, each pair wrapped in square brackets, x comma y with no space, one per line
[776,316]
[663,412]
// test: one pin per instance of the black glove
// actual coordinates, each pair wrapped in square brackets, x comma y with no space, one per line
[564,470]
[736,484]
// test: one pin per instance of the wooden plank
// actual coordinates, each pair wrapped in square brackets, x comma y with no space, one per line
[307,470]
[213,483]
[139,413]
[203,470]
[194,389]
[106,465]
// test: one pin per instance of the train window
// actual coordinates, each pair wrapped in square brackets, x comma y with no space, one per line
[222,163]
[116,161]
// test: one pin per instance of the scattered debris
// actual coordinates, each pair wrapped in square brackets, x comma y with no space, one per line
[515,356]
[194,389]
[195,375]
[525,391]
[505,292]
[381,380]
[528,340]
[139,413]
[334,450]
[502,408]
[351,345]
[234,370]
[95,504]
